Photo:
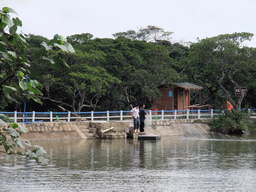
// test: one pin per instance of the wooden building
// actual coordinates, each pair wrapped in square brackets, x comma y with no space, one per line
[175,96]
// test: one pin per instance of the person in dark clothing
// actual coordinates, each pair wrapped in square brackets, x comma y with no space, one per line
[142,117]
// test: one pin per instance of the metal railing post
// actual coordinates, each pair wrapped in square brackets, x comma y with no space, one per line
[107,115]
[199,115]
[51,116]
[69,116]
[15,116]
[34,116]
[150,115]
[91,115]
[211,113]
[187,113]
[121,115]
[162,114]
[175,114]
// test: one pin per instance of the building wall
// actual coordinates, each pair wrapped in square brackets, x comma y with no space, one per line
[167,101]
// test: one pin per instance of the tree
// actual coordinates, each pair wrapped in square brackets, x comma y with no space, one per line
[85,81]
[222,63]
[16,78]
[150,33]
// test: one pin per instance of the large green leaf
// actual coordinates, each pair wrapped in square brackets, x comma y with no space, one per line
[33,83]
[21,74]
[6,56]
[12,11]
[14,125]
[40,150]
[69,47]
[12,53]
[9,89]
[48,59]
[6,9]
[60,38]
[22,128]
[19,143]
[26,64]
[7,19]
[37,100]
[2,123]
[23,85]
[17,22]
[8,96]
[46,46]
[13,29]
[62,47]
[27,143]
[36,91]
[30,154]
[2,46]
[13,132]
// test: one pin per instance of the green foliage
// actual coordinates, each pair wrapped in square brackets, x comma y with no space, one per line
[15,86]
[221,63]
[9,139]
[232,122]
[150,33]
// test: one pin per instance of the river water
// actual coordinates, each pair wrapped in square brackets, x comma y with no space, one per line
[218,163]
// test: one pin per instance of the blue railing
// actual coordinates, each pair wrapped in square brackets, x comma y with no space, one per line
[30,117]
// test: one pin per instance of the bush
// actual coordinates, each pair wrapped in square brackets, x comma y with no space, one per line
[232,122]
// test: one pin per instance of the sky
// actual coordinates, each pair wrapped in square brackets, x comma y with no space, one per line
[188,19]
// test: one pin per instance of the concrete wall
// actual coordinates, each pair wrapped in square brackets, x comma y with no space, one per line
[78,130]
[177,128]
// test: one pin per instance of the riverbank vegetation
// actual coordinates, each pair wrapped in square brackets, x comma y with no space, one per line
[232,122]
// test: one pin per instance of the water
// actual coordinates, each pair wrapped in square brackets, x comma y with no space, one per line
[170,164]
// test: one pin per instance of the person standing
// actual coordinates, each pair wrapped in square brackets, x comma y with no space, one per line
[136,118]
[142,114]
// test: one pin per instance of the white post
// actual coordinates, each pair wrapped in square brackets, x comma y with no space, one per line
[150,115]
[91,115]
[175,114]
[107,115]
[249,111]
[211,113]
[162,114]
[69,116]
[187,113]
[198,113]
[34,116]
[15,116]
[51,116]
[121,115]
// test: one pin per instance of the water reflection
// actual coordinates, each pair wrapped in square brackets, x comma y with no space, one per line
[169,164]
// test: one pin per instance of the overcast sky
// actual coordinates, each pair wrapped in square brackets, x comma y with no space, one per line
[188,19]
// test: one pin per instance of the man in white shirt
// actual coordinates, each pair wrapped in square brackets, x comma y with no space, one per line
[136,118]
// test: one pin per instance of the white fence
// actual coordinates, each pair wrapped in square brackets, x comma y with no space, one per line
[31,117]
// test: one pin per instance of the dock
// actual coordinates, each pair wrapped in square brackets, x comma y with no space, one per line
[142,136]
[149,137]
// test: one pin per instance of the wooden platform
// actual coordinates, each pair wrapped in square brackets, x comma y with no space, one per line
[134,135]
[149,137]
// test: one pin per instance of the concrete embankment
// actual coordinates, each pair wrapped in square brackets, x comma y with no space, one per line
[78,130]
